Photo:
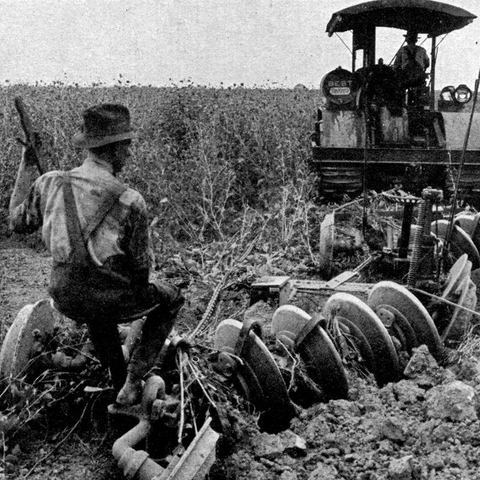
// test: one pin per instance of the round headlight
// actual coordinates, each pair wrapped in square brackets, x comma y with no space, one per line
[448,93]
[463,94]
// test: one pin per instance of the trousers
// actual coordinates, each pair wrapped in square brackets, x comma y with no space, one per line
[102,298]
[160,319]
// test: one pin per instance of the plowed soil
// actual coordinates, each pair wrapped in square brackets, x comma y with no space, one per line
[378,433]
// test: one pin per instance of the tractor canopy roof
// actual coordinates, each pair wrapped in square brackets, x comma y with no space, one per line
[423,16]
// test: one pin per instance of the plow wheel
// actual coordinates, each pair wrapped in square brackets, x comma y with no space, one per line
[467,222]
[460,242]
[298,330]
[460,319]
[475,231]
[459,271]
[397,326]
[26,339]
[244,357]
[393,295]
[452,322]
[348,310]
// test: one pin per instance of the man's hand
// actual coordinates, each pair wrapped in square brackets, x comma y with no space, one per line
[29,156]
[171,297]
[28,171]
[32,142]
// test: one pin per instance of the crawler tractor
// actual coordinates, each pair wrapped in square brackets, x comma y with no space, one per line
[373,132]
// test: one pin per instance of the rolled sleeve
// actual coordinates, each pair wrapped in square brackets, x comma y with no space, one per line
[27,217]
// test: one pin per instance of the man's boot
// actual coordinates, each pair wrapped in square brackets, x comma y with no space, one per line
[108,349]
[154,334]
[155,331]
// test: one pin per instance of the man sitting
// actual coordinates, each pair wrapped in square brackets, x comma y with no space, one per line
[96,230]
[410,64]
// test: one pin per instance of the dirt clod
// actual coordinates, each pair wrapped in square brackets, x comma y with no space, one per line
[423,427]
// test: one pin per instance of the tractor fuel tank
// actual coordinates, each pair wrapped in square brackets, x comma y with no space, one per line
[456,124]
[393,129]
[343,129]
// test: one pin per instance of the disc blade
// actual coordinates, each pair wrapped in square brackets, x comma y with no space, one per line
[348,306]
[391,293]
[259,370]
[32,327]
[323,363]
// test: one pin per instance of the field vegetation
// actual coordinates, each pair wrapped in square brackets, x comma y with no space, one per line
[212,164]
[224,173]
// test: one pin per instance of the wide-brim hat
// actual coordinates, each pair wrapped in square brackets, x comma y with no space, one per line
[103,124]
[412,34]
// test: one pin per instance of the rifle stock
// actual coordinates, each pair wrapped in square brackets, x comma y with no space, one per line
[32,138]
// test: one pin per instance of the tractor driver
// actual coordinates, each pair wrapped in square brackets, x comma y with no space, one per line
[411,62]
[96,230]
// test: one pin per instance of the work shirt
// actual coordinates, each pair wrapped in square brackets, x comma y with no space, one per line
[403,57]
[120,242]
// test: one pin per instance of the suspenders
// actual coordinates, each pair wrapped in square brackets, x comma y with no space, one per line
[79,238]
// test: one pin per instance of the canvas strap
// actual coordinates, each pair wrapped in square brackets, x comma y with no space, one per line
[79,238]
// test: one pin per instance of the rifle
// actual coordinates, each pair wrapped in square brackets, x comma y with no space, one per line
[32,137]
